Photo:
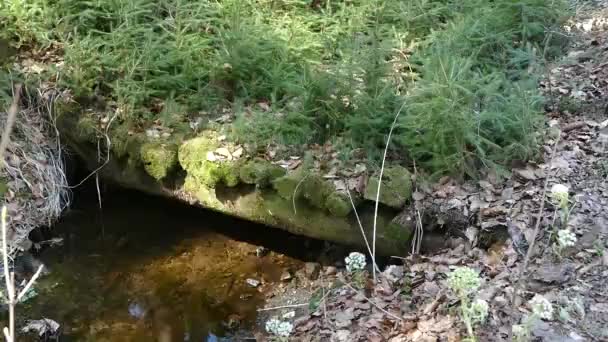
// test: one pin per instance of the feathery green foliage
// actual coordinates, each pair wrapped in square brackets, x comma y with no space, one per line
[301,71]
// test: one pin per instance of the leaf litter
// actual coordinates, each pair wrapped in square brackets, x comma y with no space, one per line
[411,301]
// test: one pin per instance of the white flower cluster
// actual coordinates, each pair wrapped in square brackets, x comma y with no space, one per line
[566,238]
[542,307]
[464,280]
[560,193]
[520,333]
[479,310]
[279,328]
[355,261]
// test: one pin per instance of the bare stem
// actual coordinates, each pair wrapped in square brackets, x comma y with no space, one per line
[388,142]
[369,250]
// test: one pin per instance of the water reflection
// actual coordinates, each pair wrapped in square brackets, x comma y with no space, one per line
[150,270]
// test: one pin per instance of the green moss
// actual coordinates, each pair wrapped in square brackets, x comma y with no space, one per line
[396,187]
[260,172]
[286,185]
[206,196]
[3,188]
[397,233]
[86,129]
[192,156]
[229,173]
[316,189]
[159,159]
[338,205]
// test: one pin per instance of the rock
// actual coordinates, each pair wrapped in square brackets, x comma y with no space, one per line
[340,336]
[394,273]
[286,276]
[260,172]
[331,270]
[554,274]
[289,315]
[338,204]
[159,159]
[396,187]
[316,190]
[252,282]
[261,251]
[311,269]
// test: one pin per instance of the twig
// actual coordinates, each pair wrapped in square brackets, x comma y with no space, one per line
[9,333]
[30,283]
[419,232]
[12,114]
[374,304]
[283,307]
[369,250]
[108,147]
[521,273]
[295,192]
[388,141]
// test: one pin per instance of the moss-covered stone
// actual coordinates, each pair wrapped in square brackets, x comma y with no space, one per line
[158,159]
[286,185]
[396,187]
[338,205]
[230,174]
[192,156]
[206,196]
[260,172]
[316,190]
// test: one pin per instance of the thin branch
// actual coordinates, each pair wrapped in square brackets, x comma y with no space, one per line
[295,192]
[30,283]
[388,142]
[12,114]
[283,307]
[369,250]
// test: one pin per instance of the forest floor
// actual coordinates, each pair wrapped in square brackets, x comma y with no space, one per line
[412,301]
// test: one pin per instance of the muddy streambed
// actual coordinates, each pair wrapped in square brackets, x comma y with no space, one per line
[144,269]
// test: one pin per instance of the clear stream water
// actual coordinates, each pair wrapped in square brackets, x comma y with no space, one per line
[147,269]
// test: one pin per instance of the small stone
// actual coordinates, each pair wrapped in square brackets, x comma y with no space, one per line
[222,151]
[286,276]
[331,270]
[252,282]
[261,251]
[311,269]
[289,315]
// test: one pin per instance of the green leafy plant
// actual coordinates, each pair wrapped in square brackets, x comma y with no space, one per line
[465,282]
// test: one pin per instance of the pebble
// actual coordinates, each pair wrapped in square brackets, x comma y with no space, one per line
[331,270]
[252,282]
[286,276]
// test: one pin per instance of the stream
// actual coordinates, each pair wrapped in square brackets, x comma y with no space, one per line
[148,269]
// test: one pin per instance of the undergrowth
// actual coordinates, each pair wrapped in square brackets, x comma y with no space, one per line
[296,72]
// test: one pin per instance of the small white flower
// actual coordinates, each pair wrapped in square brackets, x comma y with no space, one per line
[284,329]
[479,310]
[560,193]
[566,238]
[279,328]
[355,261]
[272,326]
[519,332]
[464,280]
[542,307]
